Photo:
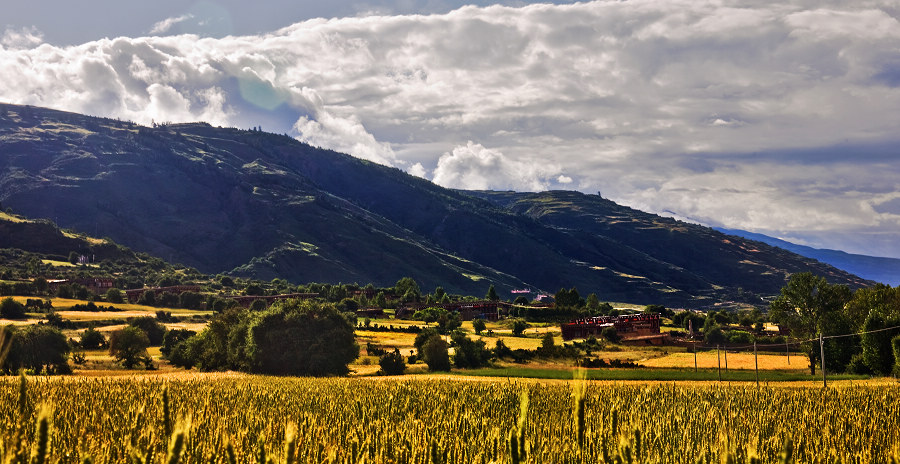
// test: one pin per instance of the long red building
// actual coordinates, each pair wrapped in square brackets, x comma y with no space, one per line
[629,326]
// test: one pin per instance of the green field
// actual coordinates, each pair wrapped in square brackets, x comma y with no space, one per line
[238,418]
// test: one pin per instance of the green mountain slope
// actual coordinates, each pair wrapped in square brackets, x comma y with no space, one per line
[264,205]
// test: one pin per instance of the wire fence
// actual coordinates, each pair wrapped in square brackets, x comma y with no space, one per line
[787,344]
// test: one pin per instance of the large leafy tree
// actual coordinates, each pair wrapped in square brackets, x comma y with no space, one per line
[809,306]
[289,338]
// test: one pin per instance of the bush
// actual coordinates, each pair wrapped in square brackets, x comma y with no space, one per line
[92,339]
[740,337]
[519,326]
[423,337]
[469,353]
[611,335]
[114,295]
[436,354]
[129,346]
[392,363]
[479,325]
[895,344]
[714,336]
[11,309]
[154,330]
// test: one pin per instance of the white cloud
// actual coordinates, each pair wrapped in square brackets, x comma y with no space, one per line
[474,167]
[648,102]
[28,37]
[165,25]
[417,170]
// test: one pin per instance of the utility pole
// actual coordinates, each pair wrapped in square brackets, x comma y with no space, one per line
[756,362]
[725,351]
[719,361]
[822,353]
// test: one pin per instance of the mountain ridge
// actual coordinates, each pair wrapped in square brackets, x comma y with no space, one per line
[878,268]
[265,205]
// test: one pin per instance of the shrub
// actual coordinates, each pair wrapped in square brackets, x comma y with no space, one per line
[611,335]
[519,326]
[895,344]
[11,309]
[392,363]
[92,339]
[114,295]
[479,325]
[469,353]
[714,335]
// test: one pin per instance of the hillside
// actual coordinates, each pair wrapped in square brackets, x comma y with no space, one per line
[879,269]
[266,205]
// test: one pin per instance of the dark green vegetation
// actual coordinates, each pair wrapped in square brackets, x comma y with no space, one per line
[810,308]
[289,338]
[267,206]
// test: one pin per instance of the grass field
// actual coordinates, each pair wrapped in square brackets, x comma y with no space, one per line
[230,417]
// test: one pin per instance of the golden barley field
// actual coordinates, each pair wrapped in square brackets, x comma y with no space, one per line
[241,418]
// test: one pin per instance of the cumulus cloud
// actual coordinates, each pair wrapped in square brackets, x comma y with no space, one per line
[21,38]
[658,104]
[165,25]
[474,167]
[417,170]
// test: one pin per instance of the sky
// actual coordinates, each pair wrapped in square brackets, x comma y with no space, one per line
[779,118]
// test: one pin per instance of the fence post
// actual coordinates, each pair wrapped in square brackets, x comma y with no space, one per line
[725,353]
[695,356]
[719,361]
[756,362]
[822,354]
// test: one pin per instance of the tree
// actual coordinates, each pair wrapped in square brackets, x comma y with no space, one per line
[11,309]
[436,354]
[408,288]
[610,334]
[877,352]
[114,295]
[469,353]
[154,330]
[129,346]
[592,302]
[92,339]
[713,335]
[808,306]
[380,300]
[519,326]
[299,338]
[479,325]
[74,257]
[40,348]
[492,294]
[40,285]
[423,337]
[548,345]
[392,363]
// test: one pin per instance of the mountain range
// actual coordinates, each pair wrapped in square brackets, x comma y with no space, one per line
[877,268]
[255,204]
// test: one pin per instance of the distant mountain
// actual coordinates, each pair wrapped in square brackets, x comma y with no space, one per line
[263,205]
[884,270]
